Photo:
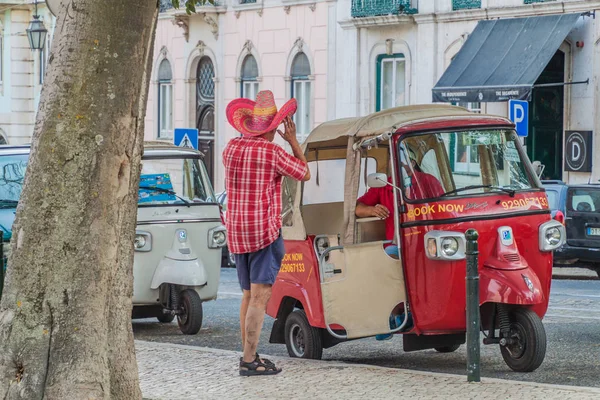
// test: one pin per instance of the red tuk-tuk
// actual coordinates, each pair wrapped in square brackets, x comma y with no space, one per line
[338,283]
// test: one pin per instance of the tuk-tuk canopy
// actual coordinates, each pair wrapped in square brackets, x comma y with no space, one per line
[380,122]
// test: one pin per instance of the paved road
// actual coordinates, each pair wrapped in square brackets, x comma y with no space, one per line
[572,326]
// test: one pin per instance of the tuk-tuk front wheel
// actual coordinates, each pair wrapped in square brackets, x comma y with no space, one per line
[301,339]
[526,347]
[190,317]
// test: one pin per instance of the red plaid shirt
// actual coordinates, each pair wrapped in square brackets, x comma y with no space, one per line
[254,168]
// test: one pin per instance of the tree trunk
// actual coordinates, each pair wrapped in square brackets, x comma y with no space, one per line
[65,315]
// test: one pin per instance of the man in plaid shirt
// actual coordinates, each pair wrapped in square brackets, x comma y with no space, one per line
[254,169]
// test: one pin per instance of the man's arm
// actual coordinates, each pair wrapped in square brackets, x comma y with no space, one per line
[290,136]
[365,211]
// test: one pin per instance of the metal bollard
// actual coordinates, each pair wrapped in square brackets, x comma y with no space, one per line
[473,317]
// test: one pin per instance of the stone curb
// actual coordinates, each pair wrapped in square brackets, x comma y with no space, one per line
[329,364]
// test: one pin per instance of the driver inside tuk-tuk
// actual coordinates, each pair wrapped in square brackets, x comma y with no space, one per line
[377,202]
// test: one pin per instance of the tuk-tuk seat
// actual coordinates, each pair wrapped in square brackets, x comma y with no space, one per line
[323,218]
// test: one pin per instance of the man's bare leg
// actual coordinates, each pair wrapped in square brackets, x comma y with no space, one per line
[255,316]
[243,312]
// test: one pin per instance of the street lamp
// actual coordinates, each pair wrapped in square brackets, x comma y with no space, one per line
[36,33]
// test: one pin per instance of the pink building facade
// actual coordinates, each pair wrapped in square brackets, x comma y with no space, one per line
[234,50]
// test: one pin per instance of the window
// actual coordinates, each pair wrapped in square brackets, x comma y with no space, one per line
[391,81]
[174,181]
[583,200]
[249,77]
[165,100]
[301,91]
[428,170]
[473,107]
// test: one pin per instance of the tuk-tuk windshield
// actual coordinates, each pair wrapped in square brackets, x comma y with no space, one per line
[12,173]
[174,181]
[463,163]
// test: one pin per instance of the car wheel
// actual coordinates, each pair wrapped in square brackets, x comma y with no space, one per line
[231,260]
[301,339]
[190,319]
[527,347]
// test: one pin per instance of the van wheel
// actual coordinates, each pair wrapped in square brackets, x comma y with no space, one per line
[527,349]
[165,318]
[190,319]
[447,349]
[301,339]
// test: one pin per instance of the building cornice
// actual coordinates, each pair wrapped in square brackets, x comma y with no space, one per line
[528,10]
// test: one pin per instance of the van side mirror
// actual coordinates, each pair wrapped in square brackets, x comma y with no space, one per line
[377,180]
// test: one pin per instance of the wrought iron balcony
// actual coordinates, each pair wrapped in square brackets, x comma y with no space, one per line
[465,4]
[372,8]
[165,5]
[536,1]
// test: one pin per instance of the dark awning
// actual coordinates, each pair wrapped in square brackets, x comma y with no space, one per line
[503,58]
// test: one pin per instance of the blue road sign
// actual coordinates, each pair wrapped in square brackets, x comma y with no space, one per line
[518,112]
[186,137]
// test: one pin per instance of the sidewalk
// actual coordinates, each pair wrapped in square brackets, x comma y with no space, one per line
[169,371]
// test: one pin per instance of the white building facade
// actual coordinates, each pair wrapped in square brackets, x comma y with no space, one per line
[386,58]
[21,69]
[234,49]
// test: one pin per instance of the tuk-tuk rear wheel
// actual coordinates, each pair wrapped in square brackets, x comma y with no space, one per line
[301,339]
[526,349]
[190,319]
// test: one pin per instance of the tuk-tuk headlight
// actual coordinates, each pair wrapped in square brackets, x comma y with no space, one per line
[143,241]
[442,245]
[449,246]
[552,235]
[217,237]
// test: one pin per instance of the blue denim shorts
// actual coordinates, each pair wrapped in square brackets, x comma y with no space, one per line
[261,266]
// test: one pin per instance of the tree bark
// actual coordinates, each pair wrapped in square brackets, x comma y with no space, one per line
[65,315]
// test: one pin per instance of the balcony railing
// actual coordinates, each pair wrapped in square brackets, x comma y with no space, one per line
[536,1]
[465,4]
[165,5]
[372,8]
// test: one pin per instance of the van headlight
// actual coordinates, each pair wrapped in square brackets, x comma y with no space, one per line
[217,237]
[552,235]
[441,245]
[143,241]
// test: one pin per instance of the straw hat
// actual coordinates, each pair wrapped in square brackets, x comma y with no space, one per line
[255,118]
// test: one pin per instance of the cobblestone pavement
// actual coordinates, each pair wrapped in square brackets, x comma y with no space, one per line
[169,371]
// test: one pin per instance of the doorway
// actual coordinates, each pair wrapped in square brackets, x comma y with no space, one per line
[545,140]
[205,113]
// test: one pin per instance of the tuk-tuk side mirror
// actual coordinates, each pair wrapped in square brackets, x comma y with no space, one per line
[377,180]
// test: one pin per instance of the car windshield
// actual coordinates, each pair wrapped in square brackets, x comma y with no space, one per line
[584,200]
[463,163]
[552,199]
[174,181]
[12,174]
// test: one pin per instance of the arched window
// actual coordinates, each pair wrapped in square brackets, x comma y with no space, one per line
[165,100]
[249,77]
[301,91]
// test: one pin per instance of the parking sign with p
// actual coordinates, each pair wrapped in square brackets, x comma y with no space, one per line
[518,112]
